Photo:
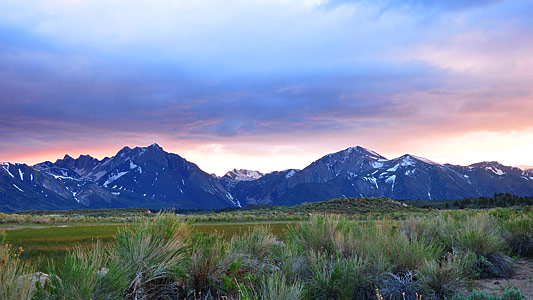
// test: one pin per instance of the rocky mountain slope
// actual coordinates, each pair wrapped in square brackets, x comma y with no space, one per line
[138,177]
[153,178]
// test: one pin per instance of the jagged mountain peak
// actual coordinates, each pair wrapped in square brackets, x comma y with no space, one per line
[68,157]
[149,176]
[151,151]
[155,146]
[351,156]
[366,151]
[358,151]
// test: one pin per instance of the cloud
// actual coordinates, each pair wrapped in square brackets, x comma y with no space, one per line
[452,5]
[279,74]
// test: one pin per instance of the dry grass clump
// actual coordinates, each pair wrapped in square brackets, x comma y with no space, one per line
[16,281]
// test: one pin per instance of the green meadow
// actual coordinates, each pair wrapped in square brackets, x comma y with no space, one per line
[51,243]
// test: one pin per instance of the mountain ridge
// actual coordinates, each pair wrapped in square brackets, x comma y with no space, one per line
[153,178]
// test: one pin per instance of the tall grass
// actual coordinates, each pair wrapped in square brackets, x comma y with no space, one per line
[385,242]
[520,234]
[329,235]
[444,279]
[78,277]
[17,280]
[148,257]
[275,287]
[326,257]
[207,263]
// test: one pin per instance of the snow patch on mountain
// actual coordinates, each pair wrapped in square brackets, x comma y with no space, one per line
[6,167]
[495,170]
[114,177]
[377,164]
[18,188]
[407,161]
[391,180]
[290,174]
[62,177]
[394,169]
[134,166]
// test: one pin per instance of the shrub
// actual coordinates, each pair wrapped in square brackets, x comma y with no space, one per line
[205,267]
[329,235]
[493,266]
[520,235]
[480,235]
[78,277]
[323,283]
[16,280]
[259,242]
[275,287]
[521,244]
[342,278]
[400,287]
[386,243]
[148,258]
[359,277]
[444,279]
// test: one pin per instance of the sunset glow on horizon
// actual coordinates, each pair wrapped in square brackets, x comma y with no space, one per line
[267,85]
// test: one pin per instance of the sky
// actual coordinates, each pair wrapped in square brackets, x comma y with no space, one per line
[267,84]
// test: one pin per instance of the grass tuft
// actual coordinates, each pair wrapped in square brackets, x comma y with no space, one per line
[16,276]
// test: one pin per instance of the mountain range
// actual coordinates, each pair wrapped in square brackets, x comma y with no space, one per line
[153,178]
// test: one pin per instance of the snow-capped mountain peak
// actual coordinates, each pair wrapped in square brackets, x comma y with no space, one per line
[243,175]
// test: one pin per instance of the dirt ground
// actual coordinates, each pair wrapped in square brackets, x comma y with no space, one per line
[523,279]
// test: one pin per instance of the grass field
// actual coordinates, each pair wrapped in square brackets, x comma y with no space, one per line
[42,244]
[53,243]
[324,254]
